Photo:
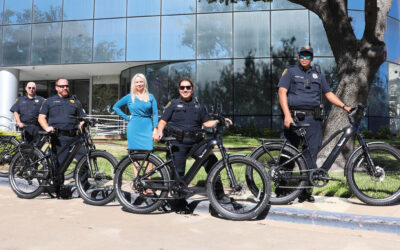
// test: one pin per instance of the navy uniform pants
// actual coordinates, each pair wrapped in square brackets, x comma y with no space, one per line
[58,145]
[31,132]
[314,138]
[180,151]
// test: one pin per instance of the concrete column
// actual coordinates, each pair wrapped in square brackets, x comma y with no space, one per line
[9,79]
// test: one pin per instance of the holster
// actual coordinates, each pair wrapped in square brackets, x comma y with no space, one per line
[319,112]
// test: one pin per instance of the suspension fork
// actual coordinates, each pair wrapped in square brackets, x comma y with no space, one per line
[367,155]
[225,159]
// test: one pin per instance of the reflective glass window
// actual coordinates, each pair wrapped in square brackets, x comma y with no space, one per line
[395,9]
[143,40]
[395,126]
[358,23]
[109,40]
[378,96]
[46,43]
[77,42]
[284,4]
[204,6]
[252,122]
[356,4]
[1,12]
[78,9]
[104,96]
[178,6]
[288,35]
[178,71]
[215,84]
[253,40]
[245,5]
[144,8]
[252,86]
[394,90]
[157,79]
[178,39]
[393,40]
[107,8]
[16,44]
[329,69]
[124,82]
[1,45]
[47,11]
[214,34]
[318,38]
[17,11]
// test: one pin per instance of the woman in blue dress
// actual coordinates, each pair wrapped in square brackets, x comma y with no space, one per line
[143,118]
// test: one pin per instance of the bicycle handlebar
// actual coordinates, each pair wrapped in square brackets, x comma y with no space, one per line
[356,111]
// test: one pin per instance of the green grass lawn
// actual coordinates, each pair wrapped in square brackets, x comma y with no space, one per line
[333,188]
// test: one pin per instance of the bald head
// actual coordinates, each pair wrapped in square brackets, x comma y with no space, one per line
[31,89]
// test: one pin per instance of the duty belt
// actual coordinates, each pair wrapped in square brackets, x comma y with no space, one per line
[31,122]
[305,112]
[192,134]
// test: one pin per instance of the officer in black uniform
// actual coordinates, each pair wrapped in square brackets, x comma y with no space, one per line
[300,91]
[56,113]
[185,117]
[26,111]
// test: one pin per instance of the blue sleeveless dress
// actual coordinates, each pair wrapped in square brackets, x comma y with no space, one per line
[142,121]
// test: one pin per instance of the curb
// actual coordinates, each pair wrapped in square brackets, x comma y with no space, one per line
[322,218]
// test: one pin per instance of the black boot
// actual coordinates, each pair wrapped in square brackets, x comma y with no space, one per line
[306,196]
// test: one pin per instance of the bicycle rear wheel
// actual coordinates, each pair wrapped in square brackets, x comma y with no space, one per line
[240,204]
[383,189]
[8,148]
[285,188]
[143,194]
[94,179]
[27,172]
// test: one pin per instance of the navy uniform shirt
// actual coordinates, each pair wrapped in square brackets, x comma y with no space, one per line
[294,79]
[28,109]
[58,111]
[185,115]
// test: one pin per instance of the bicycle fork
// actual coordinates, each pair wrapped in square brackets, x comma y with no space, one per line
[225,158]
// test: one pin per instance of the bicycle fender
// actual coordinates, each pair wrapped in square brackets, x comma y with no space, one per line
[355,151]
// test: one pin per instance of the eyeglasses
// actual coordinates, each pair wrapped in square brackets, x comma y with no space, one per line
[31,87]
[62,86]
[185,87]
[305,57]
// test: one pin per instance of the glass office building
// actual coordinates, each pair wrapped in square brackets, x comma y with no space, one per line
[235,53]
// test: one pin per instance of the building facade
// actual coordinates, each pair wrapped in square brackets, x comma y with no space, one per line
[235,52]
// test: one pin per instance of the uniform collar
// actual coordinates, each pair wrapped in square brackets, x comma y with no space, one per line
[302,69]
[191,100]
[33,98]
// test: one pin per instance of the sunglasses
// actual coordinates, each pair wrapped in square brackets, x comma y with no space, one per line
[185,87]
[31,87]
[62,86]
[305,57]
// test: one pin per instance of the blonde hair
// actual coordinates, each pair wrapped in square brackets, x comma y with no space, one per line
[133,88]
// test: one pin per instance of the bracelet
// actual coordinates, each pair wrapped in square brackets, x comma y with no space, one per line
[344,105]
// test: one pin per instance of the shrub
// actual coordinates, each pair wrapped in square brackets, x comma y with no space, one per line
[270,133]
[383,133]
[3,132]
[398,135]
[367,134]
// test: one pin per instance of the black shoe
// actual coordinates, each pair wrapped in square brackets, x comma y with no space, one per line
[308,198]
[64,193]
[223,199]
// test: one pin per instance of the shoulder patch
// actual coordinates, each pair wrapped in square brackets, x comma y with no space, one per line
[72,101]
[168,104]
[36,100]
[284,72]
[16,100]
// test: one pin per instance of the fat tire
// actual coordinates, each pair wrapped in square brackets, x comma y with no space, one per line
[215,174]
[83,164]
[287,152]
[352,164]
[13,168]
[125,163]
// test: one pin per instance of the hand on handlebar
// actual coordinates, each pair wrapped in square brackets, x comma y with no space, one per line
[288,121]
[20,124]
[50,129]
[348,109]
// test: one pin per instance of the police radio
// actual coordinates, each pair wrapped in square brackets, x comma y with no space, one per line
[319,112]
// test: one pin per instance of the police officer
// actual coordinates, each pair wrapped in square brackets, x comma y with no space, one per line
[56,113]
[185,117]
[26,111]
[300,91]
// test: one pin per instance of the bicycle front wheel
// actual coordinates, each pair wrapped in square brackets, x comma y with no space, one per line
[28,170]
[8,148]
[94,177]
[139,192]
[380,190]
[238,203]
